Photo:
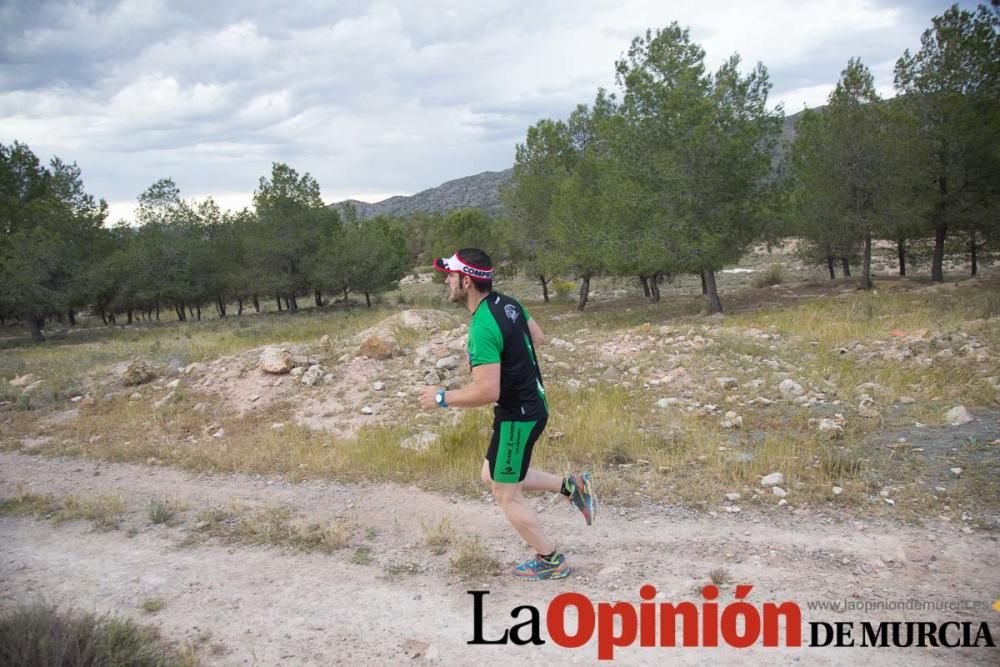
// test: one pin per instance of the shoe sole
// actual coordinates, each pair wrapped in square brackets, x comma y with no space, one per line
[537,577]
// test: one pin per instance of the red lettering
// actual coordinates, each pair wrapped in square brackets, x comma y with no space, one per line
[555,620]
[793,623]
[647,617]
[606,637]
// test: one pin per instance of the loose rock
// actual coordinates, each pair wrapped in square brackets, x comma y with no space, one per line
[277,360]
[773,479]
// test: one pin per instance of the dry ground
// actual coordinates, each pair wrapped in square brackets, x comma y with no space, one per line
[321,542]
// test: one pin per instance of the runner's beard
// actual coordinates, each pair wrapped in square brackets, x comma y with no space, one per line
[457,294]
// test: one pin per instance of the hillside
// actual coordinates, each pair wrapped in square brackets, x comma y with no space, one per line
[478,191]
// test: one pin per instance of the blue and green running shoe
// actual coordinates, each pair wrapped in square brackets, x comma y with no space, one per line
[581,488]
[540,568]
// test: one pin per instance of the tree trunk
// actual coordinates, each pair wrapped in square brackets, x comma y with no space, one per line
[347,298]
[368,300]
[220,305]
[157,309]
[239,306]
[845,264]
[256,303]
[866,263]
[112,318]
[972,253]
[197,310]
[179,308]
[277,298]
[545,287]
[36,322]
[584,292]
[71,315]
[901,255]
[104,316]
[128,314]
[654,287]
[714,303]
[829,266]
[644,281]
[937,260]
[319,298]
[295,303]
[704,285]
[288,303]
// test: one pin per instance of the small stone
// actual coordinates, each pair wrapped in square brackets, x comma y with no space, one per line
[956,471]
[378,386]
[367,411]
[732,496]
[220,433]
[790,388]
[163,401]
[837,490]
[173,384]
[732,509]
[379,347]
[728,383]
[940,489]
[135,396]
[829,425]
[732,420]
[277,426]
[778,491]
[782,502]
[957,416]
[277,360]
[907,400]
[773,479]
[312,376]
[889,501]
[447,363]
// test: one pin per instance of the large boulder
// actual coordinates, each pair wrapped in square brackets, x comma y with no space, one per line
[276,360]
[139,371]
[379,347]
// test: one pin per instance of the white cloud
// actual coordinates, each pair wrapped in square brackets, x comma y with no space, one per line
[375,97]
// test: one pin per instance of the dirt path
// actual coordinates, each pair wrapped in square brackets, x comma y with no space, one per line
[266,605]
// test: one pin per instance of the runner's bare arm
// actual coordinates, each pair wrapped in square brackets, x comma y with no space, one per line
[484,389]
[537,336]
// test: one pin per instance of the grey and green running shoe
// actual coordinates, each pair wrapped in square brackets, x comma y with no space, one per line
[582,495]
[539,568]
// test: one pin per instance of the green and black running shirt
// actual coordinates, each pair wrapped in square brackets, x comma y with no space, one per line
[498,334]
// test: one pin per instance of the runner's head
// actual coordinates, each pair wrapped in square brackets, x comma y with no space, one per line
[472,268]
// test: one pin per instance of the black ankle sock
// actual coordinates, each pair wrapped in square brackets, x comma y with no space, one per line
[549,557]
[566,490]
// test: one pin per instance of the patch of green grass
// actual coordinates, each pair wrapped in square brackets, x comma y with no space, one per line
[472,559]
[103,511]
[362,555]
[163,511]
[276,526]
[153,605]
[439,536]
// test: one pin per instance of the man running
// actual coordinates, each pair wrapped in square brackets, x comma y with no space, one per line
[502,342]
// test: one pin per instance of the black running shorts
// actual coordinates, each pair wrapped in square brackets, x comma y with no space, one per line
[509,454]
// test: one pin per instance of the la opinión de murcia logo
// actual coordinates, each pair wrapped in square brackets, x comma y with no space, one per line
[738,624]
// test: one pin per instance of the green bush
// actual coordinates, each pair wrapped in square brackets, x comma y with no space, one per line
[42,635]
[775,275]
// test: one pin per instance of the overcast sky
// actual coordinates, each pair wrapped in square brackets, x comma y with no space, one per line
[371,98]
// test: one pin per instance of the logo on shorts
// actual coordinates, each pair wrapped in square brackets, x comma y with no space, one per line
[511,312]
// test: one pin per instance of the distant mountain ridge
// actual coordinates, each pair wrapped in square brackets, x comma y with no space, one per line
[480,191]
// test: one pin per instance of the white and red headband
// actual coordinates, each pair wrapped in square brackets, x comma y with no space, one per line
[456,264]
